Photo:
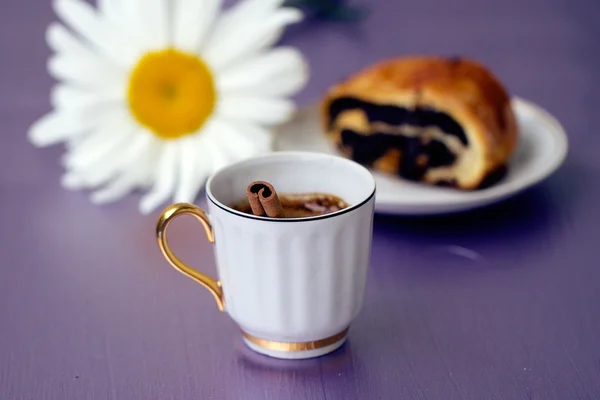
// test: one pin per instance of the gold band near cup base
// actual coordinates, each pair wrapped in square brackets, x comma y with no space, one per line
[294,346]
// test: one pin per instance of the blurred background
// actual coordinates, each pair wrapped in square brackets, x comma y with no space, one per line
[89,310]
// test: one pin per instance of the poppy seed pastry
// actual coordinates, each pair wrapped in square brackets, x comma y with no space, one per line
[443,121]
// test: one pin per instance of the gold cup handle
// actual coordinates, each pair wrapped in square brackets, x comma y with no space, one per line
[167,216]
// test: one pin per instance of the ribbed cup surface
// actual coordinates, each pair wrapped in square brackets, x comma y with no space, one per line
[293,281]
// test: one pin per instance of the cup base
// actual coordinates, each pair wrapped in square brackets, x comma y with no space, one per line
[295,350]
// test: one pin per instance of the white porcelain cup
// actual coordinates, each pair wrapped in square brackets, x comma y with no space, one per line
[292,285]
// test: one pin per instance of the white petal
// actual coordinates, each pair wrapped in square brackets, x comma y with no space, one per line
[249,36]
[69,97]
[62,41]
[130,21]
[85,71]
[243,11]
[191,176]
[108,165]
[193,19]
[111,9]
[262,138]
[131,8]
[69,124]
[70,144]
[217,146]
[131,171]
[238,140]
[63,96]
[55,127]
[220,158]
[115,190]
[97,147]
[48,130]
[71,181]
[248,12]
[155,21]
[205,165]
[165,179]
[103,35]
[115,123]
[279,72]
[149,162]
[256,109]
[187,170]
[101,173]
[72,52]
[126,17]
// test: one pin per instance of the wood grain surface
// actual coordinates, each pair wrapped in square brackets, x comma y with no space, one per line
[502,303]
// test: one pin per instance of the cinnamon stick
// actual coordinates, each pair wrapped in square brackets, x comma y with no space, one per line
[264,200]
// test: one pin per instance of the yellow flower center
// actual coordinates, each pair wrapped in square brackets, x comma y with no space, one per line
[171,93]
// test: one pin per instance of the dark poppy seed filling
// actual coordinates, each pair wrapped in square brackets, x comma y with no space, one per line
[418,153]
[368,149]
[395,116]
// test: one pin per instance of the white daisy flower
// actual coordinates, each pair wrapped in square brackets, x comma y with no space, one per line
[158,94]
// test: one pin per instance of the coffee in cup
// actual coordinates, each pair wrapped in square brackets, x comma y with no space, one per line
[290,205]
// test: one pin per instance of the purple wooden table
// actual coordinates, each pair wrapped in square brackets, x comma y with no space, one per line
[90,310]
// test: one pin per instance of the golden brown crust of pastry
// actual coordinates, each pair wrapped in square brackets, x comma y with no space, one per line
[459,87]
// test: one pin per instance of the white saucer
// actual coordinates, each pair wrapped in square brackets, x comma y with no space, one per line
[541,150]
